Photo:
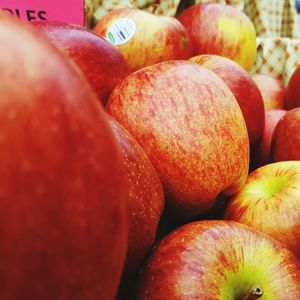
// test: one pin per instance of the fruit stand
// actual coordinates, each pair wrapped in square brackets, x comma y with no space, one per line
[150,149]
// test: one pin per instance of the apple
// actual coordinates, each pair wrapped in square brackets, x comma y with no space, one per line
[272,117]
[286,137]
[63,187]
[100,62]
[222,30]
[145,39]
[293,90]
[191,127]
[219,260]
[243,88]
[272,91]
[145,200]
[270,203]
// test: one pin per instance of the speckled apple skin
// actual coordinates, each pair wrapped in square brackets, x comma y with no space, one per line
[191,127]
[145,199]
[222,30]
[63,188]
[219,260]
[156,39]
[243,88]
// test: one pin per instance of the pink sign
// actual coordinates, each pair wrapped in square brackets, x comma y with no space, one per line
[69,11]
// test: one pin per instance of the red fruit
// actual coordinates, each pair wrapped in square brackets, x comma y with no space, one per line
[219,260]
[272,118]
[269,202]
[272,90]
[192,129]
[293,90]
[286,137]
[62,183]
[222,30]
[243,88]
[145,201]
[145,39]
[100,62]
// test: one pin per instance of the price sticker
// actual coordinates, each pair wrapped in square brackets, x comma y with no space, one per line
[121,31]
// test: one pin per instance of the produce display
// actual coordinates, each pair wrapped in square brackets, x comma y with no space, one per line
[146,158]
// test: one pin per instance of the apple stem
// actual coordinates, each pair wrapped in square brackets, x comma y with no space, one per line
[255,292]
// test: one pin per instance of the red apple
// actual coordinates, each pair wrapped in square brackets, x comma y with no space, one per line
[145,201]
[100,62]
[243,88]
[145,39]
[222,30]
[190,125]
[286,137]
[272,117]
[219,260]
[293,90]
[270,203]
[272,91]
[62,183]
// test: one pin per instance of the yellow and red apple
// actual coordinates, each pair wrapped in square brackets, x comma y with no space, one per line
[191,127]
[219,260]
[222,30]
[145,39]
[270,203]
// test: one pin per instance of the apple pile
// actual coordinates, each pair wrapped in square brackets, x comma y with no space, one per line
[142,160]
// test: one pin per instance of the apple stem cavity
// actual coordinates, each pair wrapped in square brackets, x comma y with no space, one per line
[255,292]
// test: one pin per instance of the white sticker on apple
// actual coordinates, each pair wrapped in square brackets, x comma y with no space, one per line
[121,31]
